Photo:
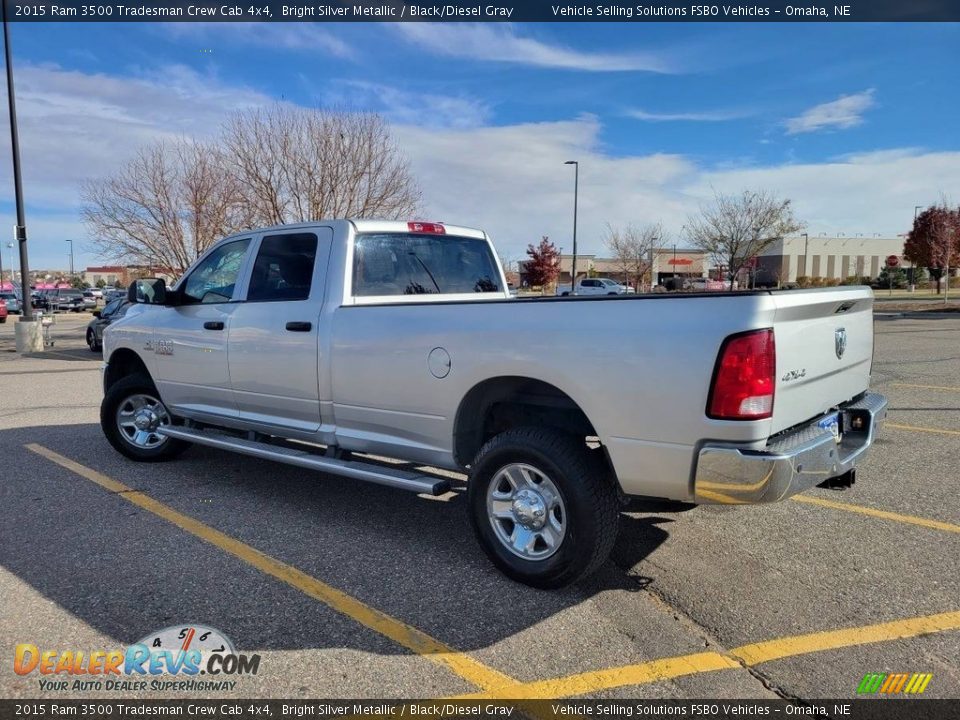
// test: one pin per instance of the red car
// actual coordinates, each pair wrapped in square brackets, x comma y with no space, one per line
[3,310]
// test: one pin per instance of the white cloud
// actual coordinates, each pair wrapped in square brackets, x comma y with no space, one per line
[512,182]
[502,43]
[410,107]
[299,37]
[704,116]
[844,112]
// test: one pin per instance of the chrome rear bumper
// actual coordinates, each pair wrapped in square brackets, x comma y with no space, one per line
[789,464]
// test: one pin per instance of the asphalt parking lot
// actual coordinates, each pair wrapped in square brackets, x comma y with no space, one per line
[352,590]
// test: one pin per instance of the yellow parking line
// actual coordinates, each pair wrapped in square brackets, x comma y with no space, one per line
[743,656]
[418,642]
[915,428]
[590,682]
[834,639]
[884,514]
[927,387]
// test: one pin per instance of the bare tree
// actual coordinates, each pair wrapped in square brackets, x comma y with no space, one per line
[295,165]
[165,206]
[633,248]
[736,228]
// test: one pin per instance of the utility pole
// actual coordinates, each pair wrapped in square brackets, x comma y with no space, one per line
[21,228]
[576,184]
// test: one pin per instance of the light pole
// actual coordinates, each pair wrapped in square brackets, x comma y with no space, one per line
[71,259]
[576,184]
[21,230]
[915,209]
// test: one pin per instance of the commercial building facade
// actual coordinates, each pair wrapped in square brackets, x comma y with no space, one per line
[830,257]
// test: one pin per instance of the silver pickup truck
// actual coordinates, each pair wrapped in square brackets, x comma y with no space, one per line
[326,344]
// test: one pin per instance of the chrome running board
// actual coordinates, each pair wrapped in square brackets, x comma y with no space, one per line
[368,472]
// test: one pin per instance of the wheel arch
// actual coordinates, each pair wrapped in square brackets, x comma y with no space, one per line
[123,363]
[501,403]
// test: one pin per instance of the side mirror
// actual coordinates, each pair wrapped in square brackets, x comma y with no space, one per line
[151,291]
[97,314]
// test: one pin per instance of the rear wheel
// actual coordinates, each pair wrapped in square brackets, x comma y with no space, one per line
[543,509]
[131,414]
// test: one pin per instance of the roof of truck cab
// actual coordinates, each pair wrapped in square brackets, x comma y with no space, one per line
[369,226]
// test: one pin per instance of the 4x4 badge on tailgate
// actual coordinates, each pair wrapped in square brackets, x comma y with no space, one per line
[840,341]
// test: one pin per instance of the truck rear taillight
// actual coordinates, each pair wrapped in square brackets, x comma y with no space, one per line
[744,379]
[427,227]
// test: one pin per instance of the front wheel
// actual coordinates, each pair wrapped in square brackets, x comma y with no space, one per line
[542,507]
[130,415]
[92,342]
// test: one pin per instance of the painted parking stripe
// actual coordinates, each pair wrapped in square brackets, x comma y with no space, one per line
[883,514]
[417,641]
[740,657]
[916,428]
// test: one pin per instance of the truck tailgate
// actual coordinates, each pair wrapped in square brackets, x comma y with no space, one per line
[824,344]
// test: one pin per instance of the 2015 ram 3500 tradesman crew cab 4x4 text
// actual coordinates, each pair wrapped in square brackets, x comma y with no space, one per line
[309,344]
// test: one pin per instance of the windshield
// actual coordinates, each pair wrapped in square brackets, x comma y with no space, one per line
[411,264]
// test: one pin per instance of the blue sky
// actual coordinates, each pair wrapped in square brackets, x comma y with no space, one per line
[855,122]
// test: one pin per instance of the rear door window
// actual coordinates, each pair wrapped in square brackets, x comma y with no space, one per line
[284,268]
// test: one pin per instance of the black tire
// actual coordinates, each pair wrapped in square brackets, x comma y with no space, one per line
[92,342]
[3,320]
[589,497]
[118,394]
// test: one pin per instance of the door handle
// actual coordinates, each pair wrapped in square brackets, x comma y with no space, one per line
[213,325]
[299,326]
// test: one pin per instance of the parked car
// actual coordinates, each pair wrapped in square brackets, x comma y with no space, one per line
[596,286]
[3,310]
[97,293]
[113,310]
[12,301]
[401,340]
[62,300]
[113,294]
[89,300]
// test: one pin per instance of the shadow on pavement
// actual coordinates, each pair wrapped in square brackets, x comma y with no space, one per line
[125,571]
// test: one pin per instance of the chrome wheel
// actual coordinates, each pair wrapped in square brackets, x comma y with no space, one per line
[526,511]
[138,419]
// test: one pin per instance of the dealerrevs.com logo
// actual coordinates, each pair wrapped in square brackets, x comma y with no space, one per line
[172,659]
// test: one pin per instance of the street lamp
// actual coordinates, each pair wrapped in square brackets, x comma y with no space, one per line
[576,183]
[21,228]
[71,258]
[915,209]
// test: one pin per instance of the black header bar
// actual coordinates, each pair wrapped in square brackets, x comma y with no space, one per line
[483,11]
[213,709]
